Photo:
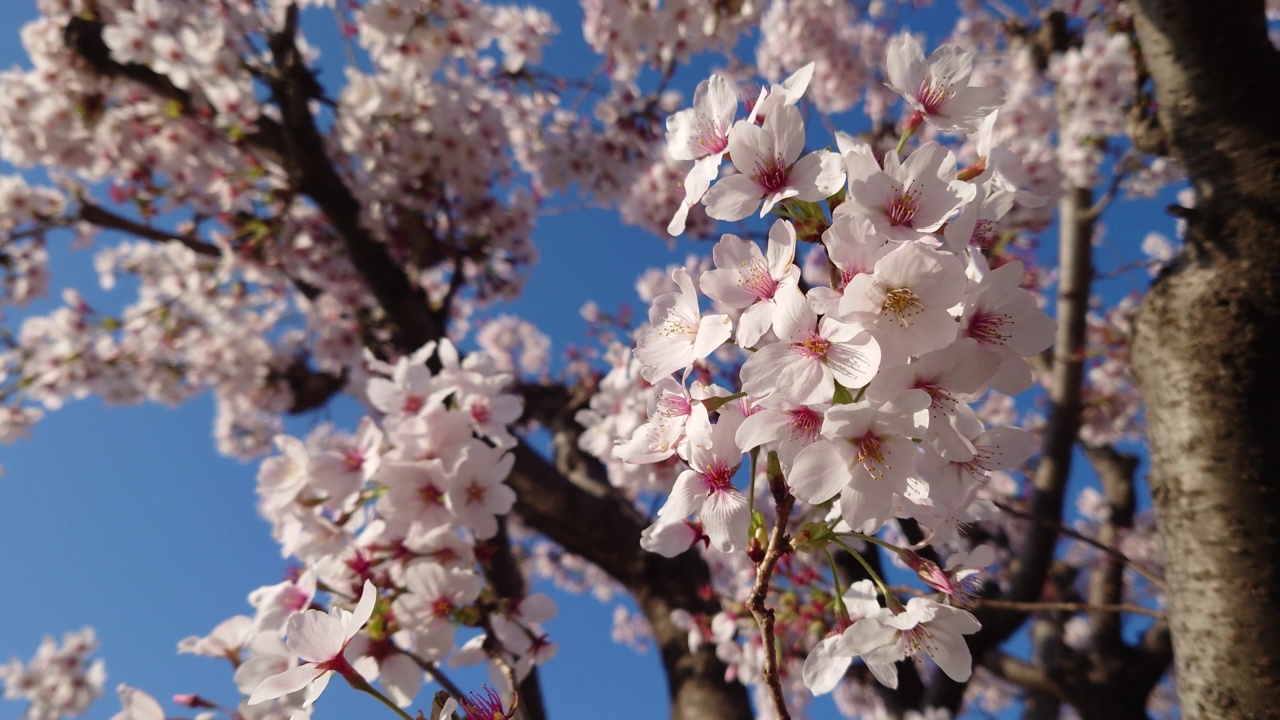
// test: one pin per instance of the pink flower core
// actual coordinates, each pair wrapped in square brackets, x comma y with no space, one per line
[900,209]
[770,175]
[870,454]
[673,406]
[903,304]
[805,423]
[480,412]
[353,460]
[476,493]
[754,277]
[711,140]
[932,95]
[986,328]
[941,401]
[441,608]
[717,477]
[412,404]
[814,347]
[984,235]
[431,496]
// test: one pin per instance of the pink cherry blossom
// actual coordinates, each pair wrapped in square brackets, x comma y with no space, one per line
[319,639]
[678,332]
[744,278]
[770,168]
[938,88]
[707,489]
[811,355]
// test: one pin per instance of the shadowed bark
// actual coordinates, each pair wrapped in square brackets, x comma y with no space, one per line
[1204,350]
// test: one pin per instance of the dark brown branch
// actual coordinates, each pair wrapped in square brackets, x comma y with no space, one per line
[778,546]
[1106,580]
[103,218]
[1075,535]
[1070,607]
[1050,479]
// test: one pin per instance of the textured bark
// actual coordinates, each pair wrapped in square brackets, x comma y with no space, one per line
[1205,345]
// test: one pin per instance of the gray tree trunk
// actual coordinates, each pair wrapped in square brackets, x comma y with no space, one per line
[1205,350]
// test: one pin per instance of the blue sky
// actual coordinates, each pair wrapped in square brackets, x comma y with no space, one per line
[127,520]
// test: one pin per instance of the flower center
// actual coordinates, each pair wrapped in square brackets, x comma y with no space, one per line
[754,277]
[710,139]
[814,347]
[984,235]
[717,477]
[903,304]
[770,174]
[987,328]
[932,95]
[805,423]
[871,454]
[431,496]
[900,209]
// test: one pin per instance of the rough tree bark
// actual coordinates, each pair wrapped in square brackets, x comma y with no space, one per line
[1205,343]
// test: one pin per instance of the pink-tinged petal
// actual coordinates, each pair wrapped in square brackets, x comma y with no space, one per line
[867,636]
[686,498]
[401,678]
[315,636]
[364,609]
[749,146]
[781,251]
[855,362]
[754,323]
[726,520]
[732,198]
[824,668]
[759,428]
[713,331]
[315,688]
[817,176]
[286,682]
[951,654]
[866,504]
[805,381]
[793,320]
[759,374]
[787,129]
[885,672]
[951,65]
[820,471]
[700,177]
[774,198]
[906,65]
[137,705]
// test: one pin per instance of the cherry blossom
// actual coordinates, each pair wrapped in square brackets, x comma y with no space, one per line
[770,168]
[319,639]
[679,333]
[812,355]
[938,88]
[707,489]
[744,278]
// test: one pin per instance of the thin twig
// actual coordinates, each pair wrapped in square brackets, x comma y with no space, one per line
[778,546]
[1068,607]
[1150,576]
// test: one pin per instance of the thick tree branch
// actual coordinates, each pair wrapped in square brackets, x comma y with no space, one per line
[1204,349]
[1050,479]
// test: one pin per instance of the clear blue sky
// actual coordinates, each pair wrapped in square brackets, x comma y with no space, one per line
[125,519]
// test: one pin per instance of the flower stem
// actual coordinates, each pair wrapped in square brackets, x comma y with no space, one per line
[359,683]
[842,613]
[875,577]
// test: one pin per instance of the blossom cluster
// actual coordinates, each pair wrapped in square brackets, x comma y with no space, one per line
[60,680]
[858,388]
[395,516]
